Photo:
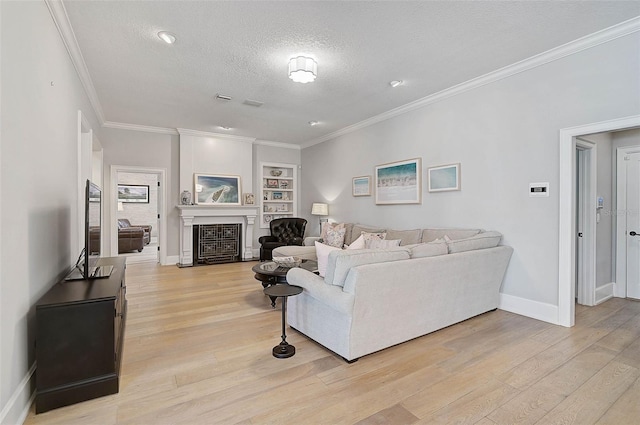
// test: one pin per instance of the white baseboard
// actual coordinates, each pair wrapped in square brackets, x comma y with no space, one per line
[171,260]
[604,292]
[17,408]
[534,309]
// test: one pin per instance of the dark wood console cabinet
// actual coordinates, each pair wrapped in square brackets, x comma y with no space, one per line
[80,328]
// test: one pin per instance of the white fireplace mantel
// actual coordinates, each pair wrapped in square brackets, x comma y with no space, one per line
[202,214]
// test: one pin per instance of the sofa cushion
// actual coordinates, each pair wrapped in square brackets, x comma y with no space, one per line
[322,253]
[383,243]
[429,235]
[340,262]
[430,249]
[407,237]
[357,230]
[480,241]
[335,236]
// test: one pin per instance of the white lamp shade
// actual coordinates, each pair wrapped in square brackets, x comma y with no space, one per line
[319,209]
[302,69]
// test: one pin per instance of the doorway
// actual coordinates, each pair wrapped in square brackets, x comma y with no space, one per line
[585,237]
[567,210]
[147,208]
[628,223]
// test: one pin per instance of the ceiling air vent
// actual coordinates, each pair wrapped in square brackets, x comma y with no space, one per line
[255,103]
[220,96]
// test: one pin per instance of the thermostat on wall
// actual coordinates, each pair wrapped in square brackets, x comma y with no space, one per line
[539,189]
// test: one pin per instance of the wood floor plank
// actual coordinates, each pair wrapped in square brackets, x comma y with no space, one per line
[197,350]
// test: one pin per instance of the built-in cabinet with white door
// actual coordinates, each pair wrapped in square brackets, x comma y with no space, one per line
[278,190]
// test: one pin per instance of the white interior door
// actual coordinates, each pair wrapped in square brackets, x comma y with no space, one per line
[633,225]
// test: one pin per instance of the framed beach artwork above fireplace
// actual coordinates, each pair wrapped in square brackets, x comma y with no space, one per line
[217,189]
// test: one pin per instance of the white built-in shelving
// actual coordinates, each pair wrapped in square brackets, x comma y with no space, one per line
[278,192]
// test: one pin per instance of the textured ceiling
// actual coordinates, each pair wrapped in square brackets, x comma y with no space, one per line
[242,48]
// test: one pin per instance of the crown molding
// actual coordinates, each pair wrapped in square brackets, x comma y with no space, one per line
[277,144]
[592,40]
[198,133]
[61,19]
[137,127]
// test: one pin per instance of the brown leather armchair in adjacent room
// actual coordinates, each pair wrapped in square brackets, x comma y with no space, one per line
[284,231]
[132,237]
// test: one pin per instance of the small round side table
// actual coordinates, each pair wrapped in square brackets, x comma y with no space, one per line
[284,349]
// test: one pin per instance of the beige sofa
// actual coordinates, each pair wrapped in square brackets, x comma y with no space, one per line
[373,299]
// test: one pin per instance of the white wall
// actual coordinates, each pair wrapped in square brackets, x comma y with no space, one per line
[41,96]
[505,135]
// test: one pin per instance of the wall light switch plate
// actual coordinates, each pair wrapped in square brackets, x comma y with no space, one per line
[537,190]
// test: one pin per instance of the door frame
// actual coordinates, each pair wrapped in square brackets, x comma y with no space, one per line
[587,258]
[620,286]
[567,210]
[162,206]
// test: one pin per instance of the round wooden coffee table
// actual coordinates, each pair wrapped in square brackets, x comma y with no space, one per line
[284,349]
[269,273]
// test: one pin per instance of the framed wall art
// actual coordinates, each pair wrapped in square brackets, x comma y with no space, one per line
[444,178]
[361,186]
[136,193]
[217,189]
[249,198]
[399,182]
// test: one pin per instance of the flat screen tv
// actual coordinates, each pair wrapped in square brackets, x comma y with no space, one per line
[86,267]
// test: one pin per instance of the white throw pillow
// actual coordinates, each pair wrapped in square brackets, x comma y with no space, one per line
[429,249]
[322,252]
[383,243]
[357,244]
[335,237]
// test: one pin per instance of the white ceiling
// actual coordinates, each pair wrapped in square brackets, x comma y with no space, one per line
[242,48]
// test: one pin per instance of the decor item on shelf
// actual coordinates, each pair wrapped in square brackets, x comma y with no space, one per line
[361,186]
[217,189]
[399,182]
[272,183]
[444,178]
[303,69]
[276,195]
[185,197]
[284,184]
[288,262]
[318,208]
[138,193]
[249,198]
[276,173]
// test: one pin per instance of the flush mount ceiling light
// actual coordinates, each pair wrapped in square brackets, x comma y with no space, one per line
[395,83]
[303,69]
[167,37]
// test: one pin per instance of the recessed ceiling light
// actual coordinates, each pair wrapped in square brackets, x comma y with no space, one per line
[221,96]
[395,83]
[167,37]
[224,127]
[312,123]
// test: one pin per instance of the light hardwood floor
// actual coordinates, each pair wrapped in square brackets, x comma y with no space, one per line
[198,346]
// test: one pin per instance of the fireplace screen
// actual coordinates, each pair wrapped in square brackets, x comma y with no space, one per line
[216,243]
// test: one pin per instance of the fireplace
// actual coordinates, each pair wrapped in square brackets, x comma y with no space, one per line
[216,243]
[192,216]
